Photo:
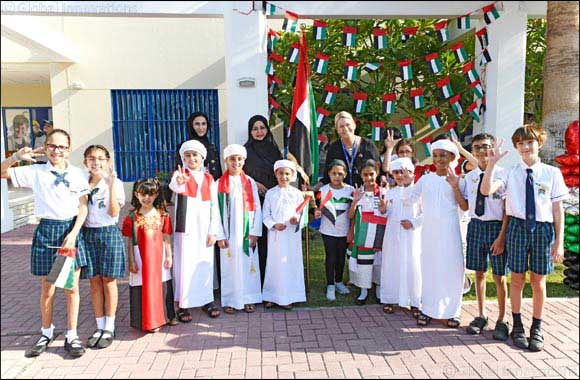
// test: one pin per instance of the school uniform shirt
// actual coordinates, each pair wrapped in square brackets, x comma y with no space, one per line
[51,200]
[99,200]
[340,201]
[493,204]
[549,187]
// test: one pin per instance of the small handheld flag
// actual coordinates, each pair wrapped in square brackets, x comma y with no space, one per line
[379,38]
[329,95]
[319,30]
[434,62]
[470,73]
[290,22]
[407,127]
[63,269]
[434,117]
[445,86]
[360,102]
[408,33]
[456,105]
[350,70]
[349,36]
[302,211]
[482,38]
[459,52]
[464,22]
[417,98]
[378,127]
[321,63]
[406,69]
[389,103]
[293,54]
[472,109]
[490,13]
[321,116]
[442,30]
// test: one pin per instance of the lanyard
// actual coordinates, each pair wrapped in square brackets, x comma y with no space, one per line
[349,159]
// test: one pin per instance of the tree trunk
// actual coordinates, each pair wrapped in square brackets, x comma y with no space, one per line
[560,103]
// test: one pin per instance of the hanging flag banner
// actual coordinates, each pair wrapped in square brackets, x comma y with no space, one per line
[442,30]
[482,38]
[268,8]
[459,52]
[485,58]
[293,54]
[378,127]
[406,69]
[490,13]
[273,82]
[472,109]
[427,145]
[445,86]
[360,101]
[321,116]
[434,118]
[290,22]
[434,62]
[319,30]
[321,63]
[408,33]
[477,89]
[469,72]
[349,36]
[389,103]
[270,65]
[450,129]
[464,22]
[273,38]
[407,127]
[482,106]
[454,101]
[350,70]
[370,67]
[379,38]
[329,95]
[273,105]
[417,98]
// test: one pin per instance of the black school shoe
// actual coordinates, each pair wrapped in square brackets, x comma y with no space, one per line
[94,339]
[74,348]
[476,326]
[39,347]
[519,337]
[106,339]
[536,340]
[501,331]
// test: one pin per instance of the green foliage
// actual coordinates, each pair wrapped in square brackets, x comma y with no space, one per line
[535,51]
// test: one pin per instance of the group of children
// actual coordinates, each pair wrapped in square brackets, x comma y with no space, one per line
[407,238]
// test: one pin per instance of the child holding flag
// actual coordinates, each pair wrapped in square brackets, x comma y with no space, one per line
[334,226]
[283,214]
[60,200]
[241,225]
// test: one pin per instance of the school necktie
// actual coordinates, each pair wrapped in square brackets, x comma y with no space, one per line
[92,193]
[530,202]
[480,200]
[60,178]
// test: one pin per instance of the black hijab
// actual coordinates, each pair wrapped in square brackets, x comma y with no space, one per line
[192,134]
[261,155]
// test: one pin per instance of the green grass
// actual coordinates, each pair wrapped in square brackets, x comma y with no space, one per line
[317,295]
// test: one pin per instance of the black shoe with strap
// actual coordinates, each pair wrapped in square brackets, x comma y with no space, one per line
[40,346]
[536,340]
[106,339]
[94,339]
[519,337]
[477,325]
[501,331]
[74,347]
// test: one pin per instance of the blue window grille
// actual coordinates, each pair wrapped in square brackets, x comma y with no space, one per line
[149,126]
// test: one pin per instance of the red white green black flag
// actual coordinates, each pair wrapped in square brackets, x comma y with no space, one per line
[389,103]
[454,101]
[417,98]
[329,95]
[477,89]
[350,70]
[427,145]
[378,127]
[290,22]
[349,36]
[472,109]
[408,33]
[273,82]
[464,22]
[451,130]
[459,52]
[379,38]
[273,38]
[321,63]
[442,30]
[434,62]
[434,118]
[270,65]
[406,69]
[321,115]
[319,30]
[445,86]
[360,102]
[469,72]
[490,13]
[272,105]
[485,57]
[407,127]
[482,38]
[63,269]
[293,53]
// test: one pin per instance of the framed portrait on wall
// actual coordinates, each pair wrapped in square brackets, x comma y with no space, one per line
[17,128]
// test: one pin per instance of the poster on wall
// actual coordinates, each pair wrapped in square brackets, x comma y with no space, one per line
[25,126]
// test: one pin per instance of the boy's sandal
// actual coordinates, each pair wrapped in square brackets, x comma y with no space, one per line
[184,316]
[269,305]
[423,320]
[476,326]
[389,309]
[211,310]
[453,323]
[415,311]
[249,308]
[229,310]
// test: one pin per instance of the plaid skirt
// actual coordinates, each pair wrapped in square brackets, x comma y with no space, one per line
[105,252]
[51,233]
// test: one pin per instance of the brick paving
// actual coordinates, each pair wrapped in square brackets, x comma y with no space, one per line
[342,342]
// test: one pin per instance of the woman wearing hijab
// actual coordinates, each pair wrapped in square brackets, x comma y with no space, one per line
[262,153]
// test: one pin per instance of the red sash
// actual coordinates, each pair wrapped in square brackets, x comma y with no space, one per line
[248,194]
[191,186]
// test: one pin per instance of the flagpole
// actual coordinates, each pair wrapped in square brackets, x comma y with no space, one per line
[307,261]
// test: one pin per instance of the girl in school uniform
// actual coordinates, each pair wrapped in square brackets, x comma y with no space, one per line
[60,200]
[104,243]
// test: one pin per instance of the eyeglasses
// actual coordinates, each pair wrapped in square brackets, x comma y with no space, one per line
[93,159]
[481,147]
[53,147]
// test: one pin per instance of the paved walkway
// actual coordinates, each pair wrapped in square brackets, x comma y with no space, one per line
[347,342]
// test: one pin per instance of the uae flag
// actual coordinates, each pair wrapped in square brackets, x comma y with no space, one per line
[482,106]
[273,38]
[389,103]
[477,89]
[378,127]
[319,30]
[270,65]
[459,52]
[333,208]
[456,105]
[469,72]
[273,82]
[321,63]
[62,271]
[350,70]
[472,109]
[370,230]
[321,115]
[482,38]
[407,127]
[417,98]
[290,22]
[445,86]
[329,95]
[269,8]
[272,105]
[349,36]
[485,57]
[434,62]
[434,117]
[427,145]
[406,69]
[490,14]
[450,129]
[379,38]
[442,30]
[408,33]
[303,134]
[302,212]
[293,53]
[464,22]
[370,67]
[360,101]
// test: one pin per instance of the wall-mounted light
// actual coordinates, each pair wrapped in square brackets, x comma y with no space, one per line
[247,82]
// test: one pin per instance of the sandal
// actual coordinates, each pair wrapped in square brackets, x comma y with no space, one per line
[269,305]
[415,311]
[184,316]
[423,320]
[389,309]
[211,310]
[286,307]
[229,310]
[249,308]
[453,323]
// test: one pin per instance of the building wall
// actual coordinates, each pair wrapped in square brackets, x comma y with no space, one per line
[26,96]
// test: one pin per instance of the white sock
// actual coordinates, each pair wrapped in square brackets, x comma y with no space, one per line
[100,323]
[363,294]
[110,324]
[48,332]
[71,335]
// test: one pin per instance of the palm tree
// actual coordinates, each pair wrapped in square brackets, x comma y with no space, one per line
[560,103]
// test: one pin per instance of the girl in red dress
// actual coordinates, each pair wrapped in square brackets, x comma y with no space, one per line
[148,228]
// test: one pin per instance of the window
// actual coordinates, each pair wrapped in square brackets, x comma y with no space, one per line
[149,126]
